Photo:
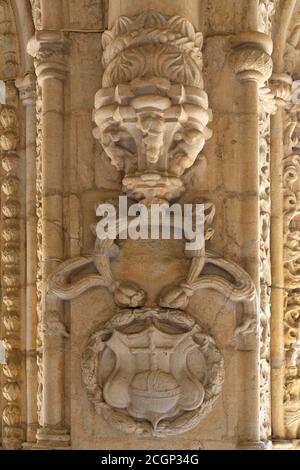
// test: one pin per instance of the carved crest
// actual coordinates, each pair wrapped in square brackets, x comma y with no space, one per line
[153,365]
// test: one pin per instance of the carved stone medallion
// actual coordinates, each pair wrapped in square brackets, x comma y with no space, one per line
[152,371]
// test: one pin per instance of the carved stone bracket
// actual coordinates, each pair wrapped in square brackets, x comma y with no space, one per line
[152,113]
[153,132]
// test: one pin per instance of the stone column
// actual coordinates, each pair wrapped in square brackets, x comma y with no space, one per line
[281,87]
[27,91]
[253,66]
[49,51]
[11,270]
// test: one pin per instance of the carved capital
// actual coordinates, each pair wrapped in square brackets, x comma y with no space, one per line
[27,89]
[49,49]
[152,113]
[281,86]
[251,57]
[152,44]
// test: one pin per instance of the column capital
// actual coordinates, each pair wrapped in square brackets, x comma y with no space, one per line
[251,56]
[281,86]
[27,89]
[49,50]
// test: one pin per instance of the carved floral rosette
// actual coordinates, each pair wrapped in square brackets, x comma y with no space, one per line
[152,371]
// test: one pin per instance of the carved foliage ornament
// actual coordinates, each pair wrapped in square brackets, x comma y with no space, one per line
[152,371]
[152,44]
[152,112]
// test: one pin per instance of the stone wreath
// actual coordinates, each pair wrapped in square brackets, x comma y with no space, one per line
[152,372]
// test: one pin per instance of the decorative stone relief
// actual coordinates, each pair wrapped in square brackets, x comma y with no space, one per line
[152,113]
[152,132]
[163,373]
[267,107]
[10,259]
[291,171]
[39,280]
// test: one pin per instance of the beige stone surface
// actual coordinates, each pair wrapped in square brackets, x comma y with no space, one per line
[126,344]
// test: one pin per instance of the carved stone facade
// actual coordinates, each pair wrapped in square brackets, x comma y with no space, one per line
[120,343]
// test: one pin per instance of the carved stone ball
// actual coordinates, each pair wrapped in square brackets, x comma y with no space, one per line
[155,391]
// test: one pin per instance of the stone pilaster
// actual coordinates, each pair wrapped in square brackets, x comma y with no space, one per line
[252,64]
[49,51]
[27,93]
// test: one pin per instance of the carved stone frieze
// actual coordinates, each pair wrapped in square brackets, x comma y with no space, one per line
[152,45]
[291,249]
[152,370]
[267,106]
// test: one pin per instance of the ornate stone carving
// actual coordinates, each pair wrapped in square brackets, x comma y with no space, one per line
[161,378]
[152,45]
[251,58]
[153,132]
[10,257]
[291,171]
[267,106]
[152,113]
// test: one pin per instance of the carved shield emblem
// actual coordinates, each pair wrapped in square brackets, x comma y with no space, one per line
[153,371]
